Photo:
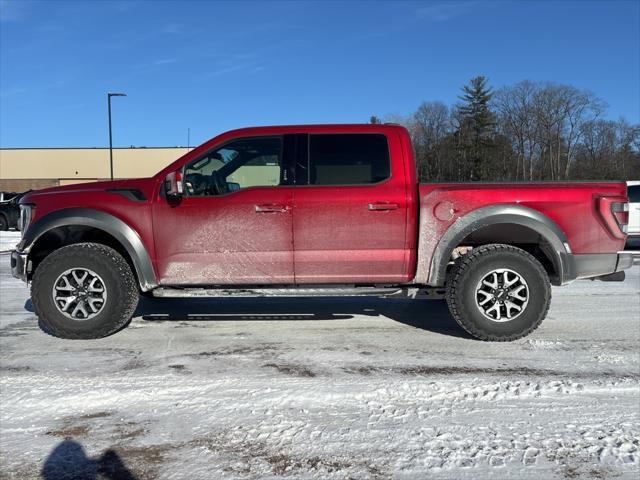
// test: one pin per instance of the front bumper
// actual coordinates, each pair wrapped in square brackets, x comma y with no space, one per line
[19,263]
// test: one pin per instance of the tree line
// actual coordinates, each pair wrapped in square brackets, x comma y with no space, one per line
[525,132]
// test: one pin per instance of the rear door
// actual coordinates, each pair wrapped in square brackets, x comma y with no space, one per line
[350,209]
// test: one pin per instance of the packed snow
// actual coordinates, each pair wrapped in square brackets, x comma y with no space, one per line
[8,240]
[323,389]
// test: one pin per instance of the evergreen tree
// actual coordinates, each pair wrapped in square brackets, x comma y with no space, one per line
[477,124]
[374,120]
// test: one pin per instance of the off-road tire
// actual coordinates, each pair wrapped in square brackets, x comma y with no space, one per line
[471,268]
[119,281]
[4,225]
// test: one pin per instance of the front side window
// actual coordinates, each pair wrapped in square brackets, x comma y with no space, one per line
[242,163]
[348,159]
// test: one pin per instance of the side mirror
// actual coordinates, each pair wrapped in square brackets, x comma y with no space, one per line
[173,185]
[233,186]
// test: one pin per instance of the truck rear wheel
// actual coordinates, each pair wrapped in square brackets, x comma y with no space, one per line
[85,290]
[498,292]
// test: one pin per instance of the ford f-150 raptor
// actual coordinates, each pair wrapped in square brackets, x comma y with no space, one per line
[314,210]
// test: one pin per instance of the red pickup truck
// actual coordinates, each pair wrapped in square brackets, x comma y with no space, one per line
[314,210]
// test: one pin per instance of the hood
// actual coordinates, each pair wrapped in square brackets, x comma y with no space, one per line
[143,184]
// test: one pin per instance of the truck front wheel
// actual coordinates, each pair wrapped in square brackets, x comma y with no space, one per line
[498,292]
[85,290]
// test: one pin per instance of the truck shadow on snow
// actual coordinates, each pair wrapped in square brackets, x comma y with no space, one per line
[428,315]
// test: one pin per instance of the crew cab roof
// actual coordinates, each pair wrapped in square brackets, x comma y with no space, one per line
[314,128]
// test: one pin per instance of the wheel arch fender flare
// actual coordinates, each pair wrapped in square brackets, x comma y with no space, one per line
[87,217]
[549,230]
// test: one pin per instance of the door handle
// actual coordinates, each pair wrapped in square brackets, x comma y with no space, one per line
[382,206]
[271,208]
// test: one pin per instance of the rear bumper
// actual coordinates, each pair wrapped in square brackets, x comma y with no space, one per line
[627,260]
[598,264]
[19,265]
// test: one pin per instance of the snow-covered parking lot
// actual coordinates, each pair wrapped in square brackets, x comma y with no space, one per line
[323,388]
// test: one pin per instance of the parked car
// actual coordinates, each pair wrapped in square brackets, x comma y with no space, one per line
[633,191]
[6,196]
[314,210]
[10,212]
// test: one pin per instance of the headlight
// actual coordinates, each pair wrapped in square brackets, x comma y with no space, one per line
[26,214]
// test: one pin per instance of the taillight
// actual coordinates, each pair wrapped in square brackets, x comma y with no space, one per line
[621,212]
[615,213]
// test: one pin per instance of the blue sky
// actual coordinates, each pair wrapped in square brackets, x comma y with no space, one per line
[213,66]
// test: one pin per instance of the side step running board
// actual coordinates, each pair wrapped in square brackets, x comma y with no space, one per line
[412,292]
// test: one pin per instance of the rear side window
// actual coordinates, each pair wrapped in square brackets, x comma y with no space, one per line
[633,192]
[348,159]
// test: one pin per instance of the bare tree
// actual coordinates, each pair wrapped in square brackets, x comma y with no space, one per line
[580,107]
[516,106]
[429,125]
[544,121]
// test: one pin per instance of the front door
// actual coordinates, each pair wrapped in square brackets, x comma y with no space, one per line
[234,222]
[350,215]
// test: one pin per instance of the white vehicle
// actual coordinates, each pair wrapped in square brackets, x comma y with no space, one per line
[633,191]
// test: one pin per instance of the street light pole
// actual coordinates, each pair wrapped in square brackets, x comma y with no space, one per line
[109,95]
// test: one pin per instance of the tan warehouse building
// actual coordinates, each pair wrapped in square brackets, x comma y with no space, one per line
[33,168]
